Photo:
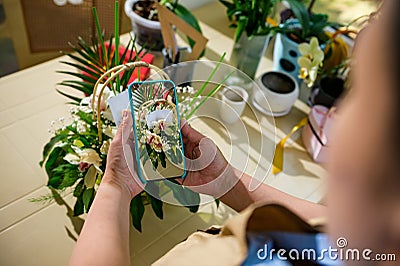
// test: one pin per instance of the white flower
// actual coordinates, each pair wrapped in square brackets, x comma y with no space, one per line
[89,156]
[110,131]
[153,124]
[190,89]
[81,127]
[86,103]
[310,61]
[108,115]
[154,141]
[166,147]
[105,146]
[86,157]
[72,158]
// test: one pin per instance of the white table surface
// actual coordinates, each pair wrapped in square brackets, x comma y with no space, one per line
[43,234]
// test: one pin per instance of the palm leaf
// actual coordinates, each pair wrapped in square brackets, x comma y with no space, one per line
[90,71]
[86,63]
[79,75]
[84,46]
[82,85]
[89,59]
[76,87]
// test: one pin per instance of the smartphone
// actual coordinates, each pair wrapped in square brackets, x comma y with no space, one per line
[157,130]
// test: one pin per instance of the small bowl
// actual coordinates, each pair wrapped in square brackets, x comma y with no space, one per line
[276,93]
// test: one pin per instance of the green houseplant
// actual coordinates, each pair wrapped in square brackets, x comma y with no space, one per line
[251,20]
[298,25]
[145,24]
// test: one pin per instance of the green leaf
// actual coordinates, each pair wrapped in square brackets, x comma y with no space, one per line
[87,118]
[240,28]
[137,212]
[185,196]
[88,59]
[301,13]
[49,146]
[52,161]
[78,207]
[155,202]
[125,53]
[86,86]
[66,173]
[84,68]
[75,99]
[100,36]
[89,62]
[227,4]
[85,48]
[79,75]
[78,189]
[217,202]
[87,198]
[162,159]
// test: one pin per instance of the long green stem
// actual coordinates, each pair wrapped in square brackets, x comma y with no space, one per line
[212,93]
[208,80]
[103,48]
[116,36]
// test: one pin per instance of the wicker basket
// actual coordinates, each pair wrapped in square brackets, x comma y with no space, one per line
[109,76]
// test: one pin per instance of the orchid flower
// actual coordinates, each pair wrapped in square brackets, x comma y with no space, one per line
[310,61]
[86,159]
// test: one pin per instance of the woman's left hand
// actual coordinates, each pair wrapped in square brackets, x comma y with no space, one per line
[121,170]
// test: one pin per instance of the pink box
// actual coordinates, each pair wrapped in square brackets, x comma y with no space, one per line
[317,132]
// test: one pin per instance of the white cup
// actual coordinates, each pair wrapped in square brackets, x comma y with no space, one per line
[276,93]
[234,101]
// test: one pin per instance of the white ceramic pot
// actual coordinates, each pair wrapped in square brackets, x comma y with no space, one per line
[147,32]
[276,93]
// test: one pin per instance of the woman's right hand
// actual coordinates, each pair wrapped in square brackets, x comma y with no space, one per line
[208,171]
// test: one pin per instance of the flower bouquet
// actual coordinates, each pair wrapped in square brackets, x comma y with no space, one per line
[75,157]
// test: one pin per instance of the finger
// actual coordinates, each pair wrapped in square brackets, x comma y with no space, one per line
[118,135]
[202,155]
[189,133]
[127,125]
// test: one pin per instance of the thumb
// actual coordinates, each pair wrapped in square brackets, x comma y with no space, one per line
[125,127]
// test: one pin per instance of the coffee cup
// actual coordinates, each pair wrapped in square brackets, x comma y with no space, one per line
[233,102]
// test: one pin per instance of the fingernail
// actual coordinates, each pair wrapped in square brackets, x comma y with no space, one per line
[125,114]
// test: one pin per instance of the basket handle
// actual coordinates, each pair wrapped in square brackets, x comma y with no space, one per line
[118,69]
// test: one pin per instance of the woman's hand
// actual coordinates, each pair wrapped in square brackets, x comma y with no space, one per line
[208,171]
[120,169]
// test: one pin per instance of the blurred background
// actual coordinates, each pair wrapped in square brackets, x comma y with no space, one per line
[34,31]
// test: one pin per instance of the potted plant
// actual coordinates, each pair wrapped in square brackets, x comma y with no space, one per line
[145,24]
[330,85]
[276,93]
[323,72]
[298,25]
[252,30]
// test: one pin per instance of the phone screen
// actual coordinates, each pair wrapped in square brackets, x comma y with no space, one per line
[157,130]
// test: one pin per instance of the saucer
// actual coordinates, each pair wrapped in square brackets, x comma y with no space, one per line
[268,112]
